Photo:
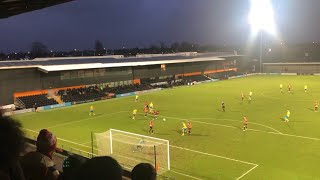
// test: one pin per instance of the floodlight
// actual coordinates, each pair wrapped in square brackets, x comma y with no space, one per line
[261,17]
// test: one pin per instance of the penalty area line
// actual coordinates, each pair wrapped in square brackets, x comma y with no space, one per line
[247,172]
[176,172]
[222,157]
[183,174]
[214,155]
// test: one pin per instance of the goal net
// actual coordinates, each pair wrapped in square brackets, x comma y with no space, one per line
[130,149]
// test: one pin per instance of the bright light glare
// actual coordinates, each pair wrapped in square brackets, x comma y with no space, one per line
[261,17]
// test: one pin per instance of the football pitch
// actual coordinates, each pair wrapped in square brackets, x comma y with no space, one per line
[218,148]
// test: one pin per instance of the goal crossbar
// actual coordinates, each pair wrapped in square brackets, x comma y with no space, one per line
[115,130]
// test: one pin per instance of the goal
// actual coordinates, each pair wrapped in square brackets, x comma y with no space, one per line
[130,149]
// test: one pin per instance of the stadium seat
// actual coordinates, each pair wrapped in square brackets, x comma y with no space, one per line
[40,100]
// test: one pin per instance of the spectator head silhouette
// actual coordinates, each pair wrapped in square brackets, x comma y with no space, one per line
[100,168]
[12,145]
[71,165]
[143,171]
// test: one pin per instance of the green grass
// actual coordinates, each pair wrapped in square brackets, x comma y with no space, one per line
[276,149]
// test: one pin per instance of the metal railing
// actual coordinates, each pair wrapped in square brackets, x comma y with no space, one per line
[18,101]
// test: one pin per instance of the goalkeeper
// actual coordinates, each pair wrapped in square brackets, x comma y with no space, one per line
[140,145]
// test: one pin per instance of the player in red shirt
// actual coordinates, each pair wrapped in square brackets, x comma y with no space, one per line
[245,123]
[242,96]
[155,114]
[289,88]
[151,126]
[189,125]
[316,106]
[145,110]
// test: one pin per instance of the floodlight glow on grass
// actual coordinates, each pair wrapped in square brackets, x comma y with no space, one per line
[261,17]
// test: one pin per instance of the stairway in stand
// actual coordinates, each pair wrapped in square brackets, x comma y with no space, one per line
[57,98]
[208,77]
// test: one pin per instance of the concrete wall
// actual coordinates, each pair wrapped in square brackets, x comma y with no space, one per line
[17,80]
[54,80]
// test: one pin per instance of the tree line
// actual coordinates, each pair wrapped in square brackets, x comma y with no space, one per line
[39,49]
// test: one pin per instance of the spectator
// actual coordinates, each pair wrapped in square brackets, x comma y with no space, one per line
[12,145]
[36,167]
[143,171]
[39,164]
[46,143]
[71,166]
[100,168]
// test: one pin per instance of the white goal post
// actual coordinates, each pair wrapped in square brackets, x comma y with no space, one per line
[130,149]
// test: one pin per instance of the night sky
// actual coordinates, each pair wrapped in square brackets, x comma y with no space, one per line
[140,23]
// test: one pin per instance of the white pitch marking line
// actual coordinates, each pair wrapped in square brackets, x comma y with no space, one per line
[241,121]
[247,172]
[297,136]
[214,124]
[201,122]
[257,124]
[185,175]
[82,120]
[256,130]
[213,155]
[277,133]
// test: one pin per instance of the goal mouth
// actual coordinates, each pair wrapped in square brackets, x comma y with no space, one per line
[130,149]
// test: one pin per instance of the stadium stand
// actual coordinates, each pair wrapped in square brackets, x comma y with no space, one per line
[41,100]
[197,78]
[222,75]
[96,93]
[82,94]
[128,88]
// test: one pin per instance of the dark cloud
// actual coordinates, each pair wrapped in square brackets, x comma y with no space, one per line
[140,23]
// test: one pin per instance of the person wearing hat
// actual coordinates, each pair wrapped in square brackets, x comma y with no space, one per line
[39,164]
[47,143]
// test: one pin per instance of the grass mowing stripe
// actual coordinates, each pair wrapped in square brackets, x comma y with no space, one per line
[86,119]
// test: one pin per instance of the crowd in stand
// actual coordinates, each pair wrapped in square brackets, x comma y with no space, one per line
[82,94]
[128,88]
[97,92]
[38,165]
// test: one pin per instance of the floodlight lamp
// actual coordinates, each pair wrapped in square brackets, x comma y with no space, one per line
[261,17]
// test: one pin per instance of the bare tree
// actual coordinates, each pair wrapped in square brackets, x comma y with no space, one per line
[98,48]
[38,49]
